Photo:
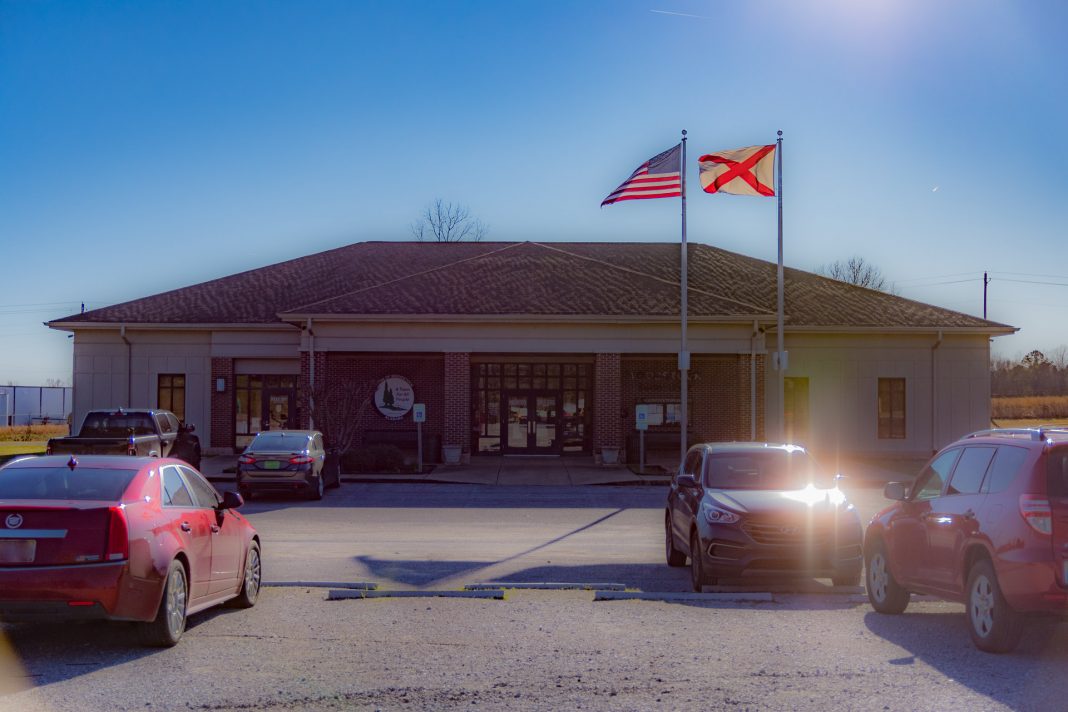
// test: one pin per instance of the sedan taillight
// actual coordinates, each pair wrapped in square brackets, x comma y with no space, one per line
[118,535]
[1036,511]
[246,460]
[301,460]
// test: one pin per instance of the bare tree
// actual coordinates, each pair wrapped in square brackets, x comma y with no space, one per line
[448,222]
[54,383]
[858,271]
[338,410]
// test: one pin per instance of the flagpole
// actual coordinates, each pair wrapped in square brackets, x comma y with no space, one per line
[684,355]
[781,355]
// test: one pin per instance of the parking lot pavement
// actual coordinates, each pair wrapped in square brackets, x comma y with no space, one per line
[535,650]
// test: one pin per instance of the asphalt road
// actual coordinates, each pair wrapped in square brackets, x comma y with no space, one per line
[446,536]
[534,650]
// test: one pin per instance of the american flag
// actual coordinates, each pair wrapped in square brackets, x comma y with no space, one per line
[658,177]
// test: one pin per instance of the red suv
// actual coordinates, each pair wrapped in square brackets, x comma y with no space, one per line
[986,524]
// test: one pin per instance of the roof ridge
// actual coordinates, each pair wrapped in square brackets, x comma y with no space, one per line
[401,279]
[652,276]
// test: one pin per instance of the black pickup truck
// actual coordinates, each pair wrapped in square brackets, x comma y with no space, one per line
[122,431]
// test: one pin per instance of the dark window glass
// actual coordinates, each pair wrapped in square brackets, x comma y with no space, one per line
[204,494]
[277,442]
[968,475]
[768,470]
[891,408]
[81,483]
[1007,463]
[170,393]
[175,493]
[930,482]
[100,424]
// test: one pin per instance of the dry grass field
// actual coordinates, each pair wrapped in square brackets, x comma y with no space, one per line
[1039,409]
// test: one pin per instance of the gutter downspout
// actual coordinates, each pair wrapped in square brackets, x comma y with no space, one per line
[311,375]
[934,393]
[753,383]
[129,365]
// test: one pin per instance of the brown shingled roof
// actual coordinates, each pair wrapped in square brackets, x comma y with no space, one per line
[526,278]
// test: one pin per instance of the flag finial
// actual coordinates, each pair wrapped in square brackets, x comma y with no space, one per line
[780,133]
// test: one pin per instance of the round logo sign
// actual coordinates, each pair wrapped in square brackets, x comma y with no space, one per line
[13,521]
[394,397]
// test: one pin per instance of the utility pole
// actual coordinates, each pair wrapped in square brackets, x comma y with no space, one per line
[986,281]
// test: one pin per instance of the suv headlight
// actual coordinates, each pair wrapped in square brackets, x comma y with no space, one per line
[715,515]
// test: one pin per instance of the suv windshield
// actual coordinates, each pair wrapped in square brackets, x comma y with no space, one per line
[766,470]
[117,425]
[278,442]
[84,483]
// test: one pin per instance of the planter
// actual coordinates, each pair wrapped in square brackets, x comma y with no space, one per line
[450,454]
[610,455]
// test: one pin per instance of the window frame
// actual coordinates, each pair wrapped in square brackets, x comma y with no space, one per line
[892,426]
[172,388]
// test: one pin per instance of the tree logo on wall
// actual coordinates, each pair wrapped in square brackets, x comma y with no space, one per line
[394,397]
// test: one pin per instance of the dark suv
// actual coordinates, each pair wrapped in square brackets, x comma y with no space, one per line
[986,524]
[743,507]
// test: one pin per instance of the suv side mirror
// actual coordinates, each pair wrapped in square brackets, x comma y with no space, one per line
[686,480]
[896,491]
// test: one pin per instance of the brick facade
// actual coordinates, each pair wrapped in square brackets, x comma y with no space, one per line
[304,385]
[719,393]
[222,404]
[426,374]
[457,405]
[607,402]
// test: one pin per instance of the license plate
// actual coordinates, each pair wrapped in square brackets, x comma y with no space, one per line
[18,551]
[271,464]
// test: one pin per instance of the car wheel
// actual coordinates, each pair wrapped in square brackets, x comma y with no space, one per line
[698,577]
[250,585]
[169,624]
[315,489]
[884,592]
[674,556]
[994,626]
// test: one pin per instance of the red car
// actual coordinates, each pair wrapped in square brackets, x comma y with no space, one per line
[121,538]
[986,524]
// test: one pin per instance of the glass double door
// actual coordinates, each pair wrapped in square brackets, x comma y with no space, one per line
[532,420]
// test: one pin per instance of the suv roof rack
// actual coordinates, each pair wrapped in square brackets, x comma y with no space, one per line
[1037,433]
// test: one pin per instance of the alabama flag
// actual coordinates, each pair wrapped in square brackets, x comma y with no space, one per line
[743,171]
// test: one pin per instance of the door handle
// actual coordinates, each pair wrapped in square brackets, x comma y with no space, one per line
[185,527]
[214,528]
[968,514]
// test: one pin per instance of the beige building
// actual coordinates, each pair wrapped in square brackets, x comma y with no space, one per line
[542,348]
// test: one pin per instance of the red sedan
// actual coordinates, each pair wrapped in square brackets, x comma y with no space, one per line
[121,538]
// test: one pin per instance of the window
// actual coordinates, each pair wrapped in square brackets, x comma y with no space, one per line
[1006,464]
[891,408]
[206,495]
[929,483]
[170,394]
[968,475]
[175,493]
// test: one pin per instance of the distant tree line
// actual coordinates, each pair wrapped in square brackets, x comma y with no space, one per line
[1033,375]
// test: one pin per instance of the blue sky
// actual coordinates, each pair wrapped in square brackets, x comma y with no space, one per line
[146,146]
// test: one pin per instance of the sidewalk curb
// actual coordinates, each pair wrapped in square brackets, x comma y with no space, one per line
[546,586]
[346,594]
[752,597]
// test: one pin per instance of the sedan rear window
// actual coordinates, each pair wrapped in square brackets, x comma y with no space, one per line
[278,442]
[772,470]
[82,483]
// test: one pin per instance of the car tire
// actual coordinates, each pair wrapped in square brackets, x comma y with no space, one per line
[884,592]
[252,580]
[315,489]
[699,578]
[335,473]
[994,625]
[166,629]
[674,557]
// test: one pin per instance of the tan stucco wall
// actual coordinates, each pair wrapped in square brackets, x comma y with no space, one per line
[843,373]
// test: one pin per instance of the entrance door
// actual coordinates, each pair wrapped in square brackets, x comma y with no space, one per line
[532,423]
[279,405]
